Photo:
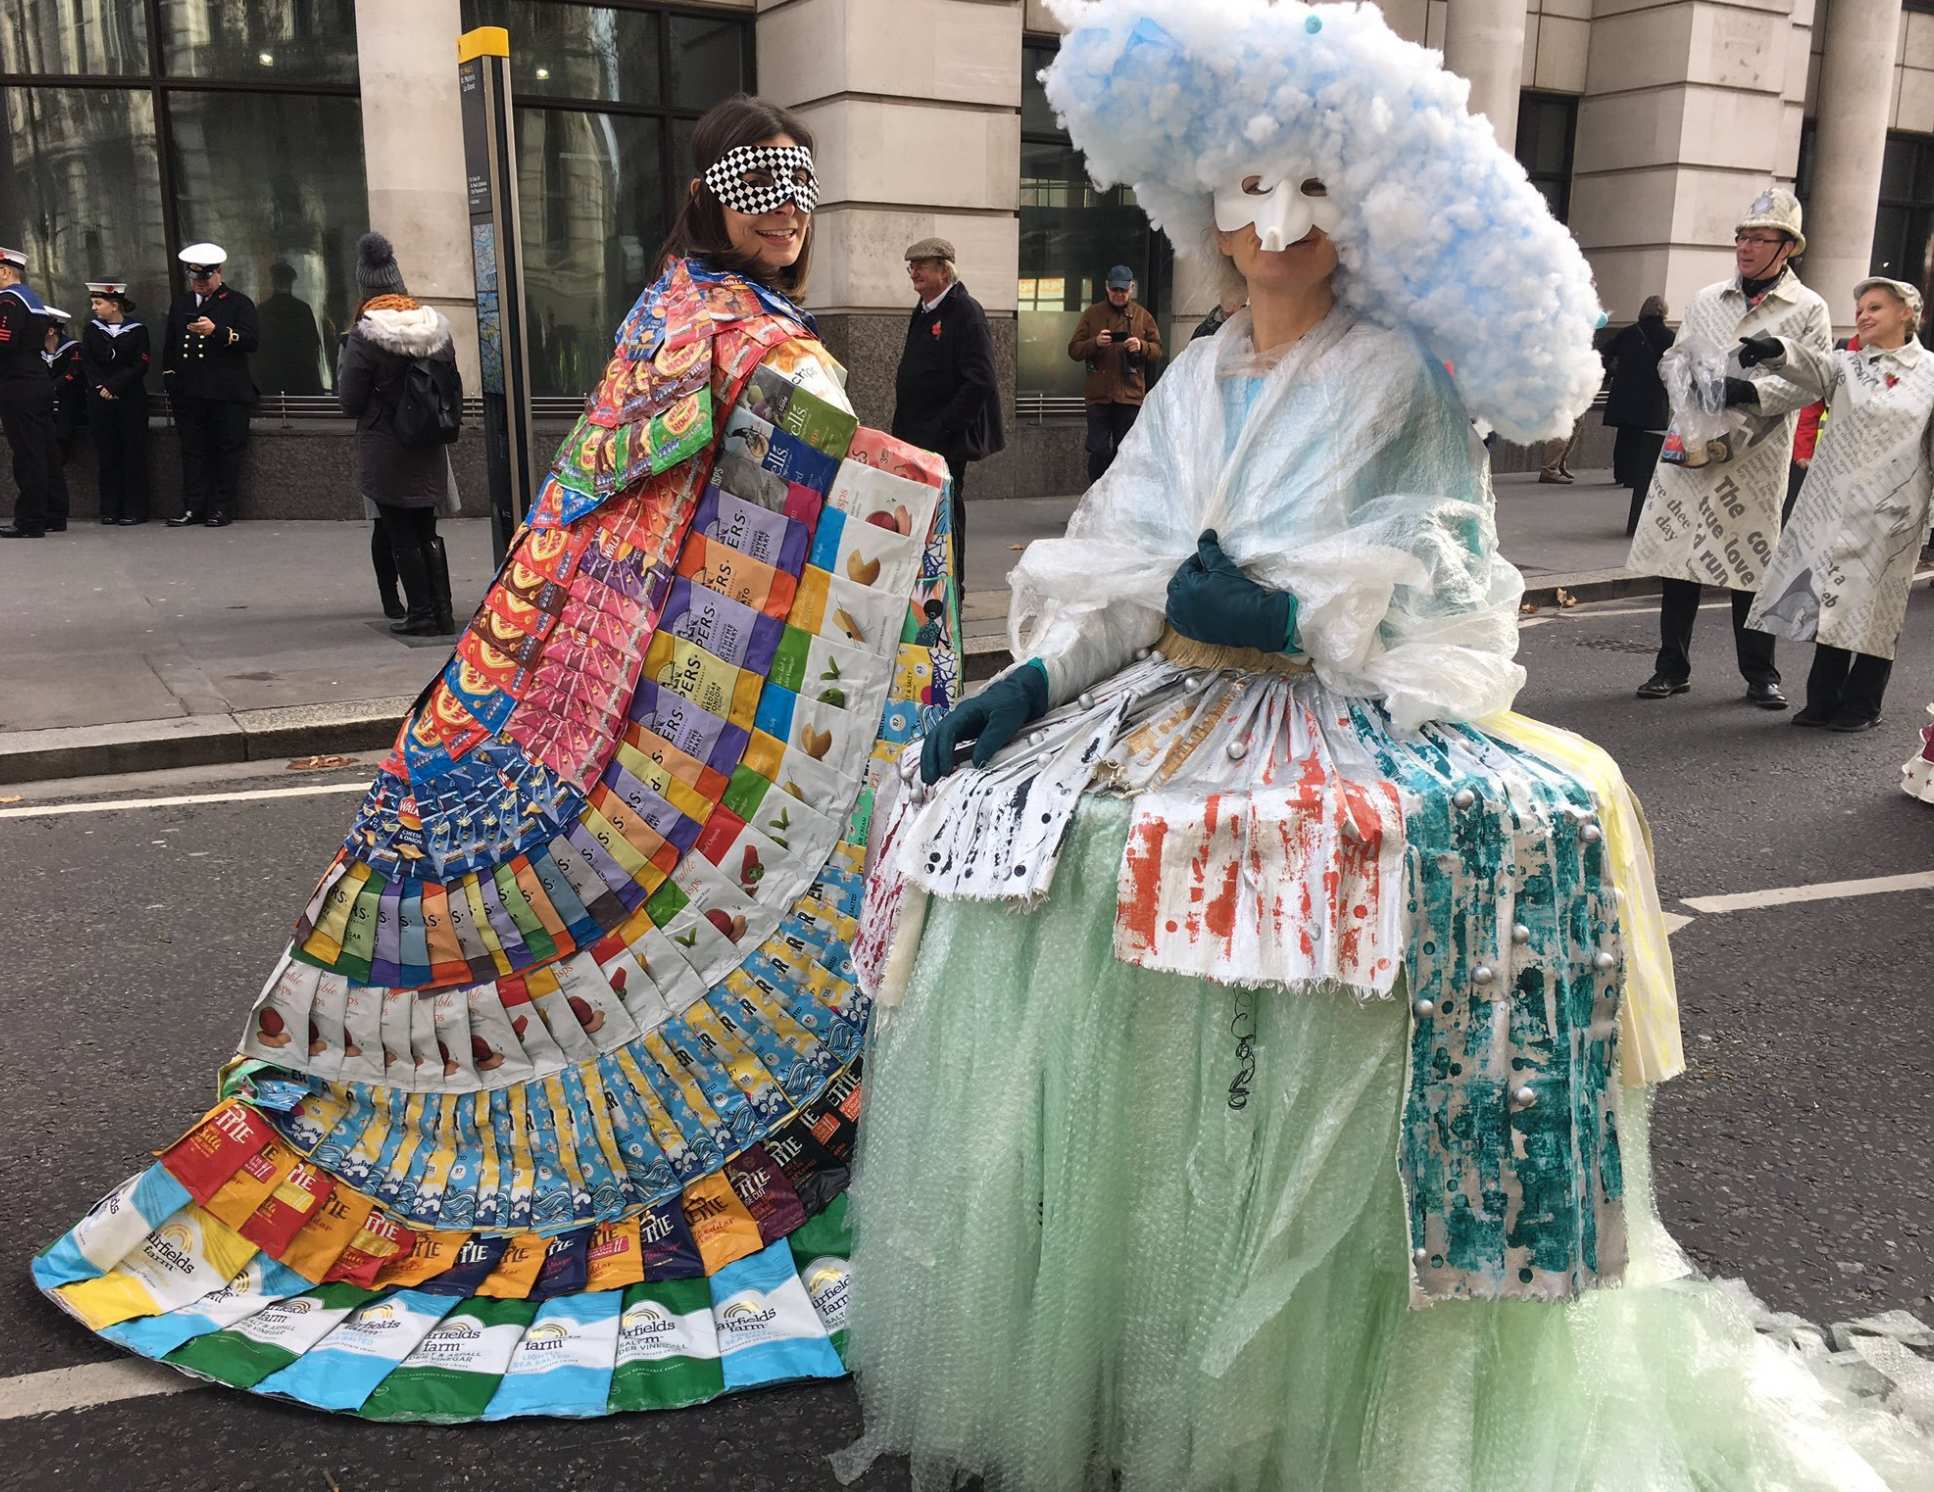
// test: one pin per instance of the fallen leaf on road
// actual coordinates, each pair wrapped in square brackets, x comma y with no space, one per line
[1017,548]
[1530,608]
[318,763]
[9,797]
[1566,598]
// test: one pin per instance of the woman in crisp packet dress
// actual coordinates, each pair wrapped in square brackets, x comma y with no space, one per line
[1263,1029]
[549,1106]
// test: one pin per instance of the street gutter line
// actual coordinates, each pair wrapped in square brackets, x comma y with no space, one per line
[60,1389]
[1781,896]
[307,790]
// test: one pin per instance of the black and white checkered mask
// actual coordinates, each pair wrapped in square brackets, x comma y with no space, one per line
[758,178]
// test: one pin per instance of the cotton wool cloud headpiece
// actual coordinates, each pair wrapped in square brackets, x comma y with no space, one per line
[1437,229]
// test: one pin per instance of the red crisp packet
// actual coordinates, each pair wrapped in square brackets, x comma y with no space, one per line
[274,1224]
[204,1159]
[380,1239]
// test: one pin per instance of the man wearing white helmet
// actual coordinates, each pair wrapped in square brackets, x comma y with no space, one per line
[212,329]
[1718,524]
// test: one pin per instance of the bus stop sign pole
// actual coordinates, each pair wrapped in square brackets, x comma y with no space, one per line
[496,256]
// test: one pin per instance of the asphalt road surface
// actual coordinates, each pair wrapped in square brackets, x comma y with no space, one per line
[1793,1153]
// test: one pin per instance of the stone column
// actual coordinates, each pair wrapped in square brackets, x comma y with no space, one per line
[1852,139]
[413,155]
[1484,42]
[915,109]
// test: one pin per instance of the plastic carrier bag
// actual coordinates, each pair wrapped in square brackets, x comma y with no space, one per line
[1694,374]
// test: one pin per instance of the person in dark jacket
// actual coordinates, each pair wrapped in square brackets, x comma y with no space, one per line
[212,330]
[114,367]
[62,355]
[26,413]
[1636,405]
[406,483]
[946,395]
[290,361]
[1119,341]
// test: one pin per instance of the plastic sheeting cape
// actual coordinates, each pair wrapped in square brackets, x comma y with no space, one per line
[1439,228]
[1346,472]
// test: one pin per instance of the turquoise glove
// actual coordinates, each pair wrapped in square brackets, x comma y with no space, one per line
[991,719]
[1211,600]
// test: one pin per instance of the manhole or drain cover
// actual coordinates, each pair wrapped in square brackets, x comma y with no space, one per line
[1613,645]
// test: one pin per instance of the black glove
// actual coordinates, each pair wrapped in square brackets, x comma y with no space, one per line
[1756,350]
[991,719]
[1741,391]
[1211,600]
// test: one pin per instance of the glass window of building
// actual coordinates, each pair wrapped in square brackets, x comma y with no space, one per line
[1071,235]
[1547,132]
[129,128]
[607,96]
[1905,217]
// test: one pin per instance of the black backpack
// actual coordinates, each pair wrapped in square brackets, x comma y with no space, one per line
[429,405]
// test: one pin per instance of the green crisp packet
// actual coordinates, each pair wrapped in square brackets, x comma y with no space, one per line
[271,1339]
[822,1252]
[668,1350]
[452,1373]
[824,427]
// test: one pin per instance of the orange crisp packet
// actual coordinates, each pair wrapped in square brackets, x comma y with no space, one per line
[721,1226]
[517,1270]
[616,1258]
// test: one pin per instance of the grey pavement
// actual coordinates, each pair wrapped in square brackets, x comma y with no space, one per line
[151,647]
[1793,1152]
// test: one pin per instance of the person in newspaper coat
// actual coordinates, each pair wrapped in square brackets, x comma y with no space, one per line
[1718,524]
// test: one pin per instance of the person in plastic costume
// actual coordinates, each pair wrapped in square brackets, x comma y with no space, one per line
[1840,575]
[1249,995]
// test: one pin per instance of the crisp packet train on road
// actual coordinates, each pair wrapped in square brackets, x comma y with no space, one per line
[566,1046]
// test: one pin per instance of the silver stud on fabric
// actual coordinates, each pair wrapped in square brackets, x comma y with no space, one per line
[1464,798]
[1192,683]
[1087,701]
[1483,974]
[1423,1009]
[1142,655]
[1520,933]
[1525,1096]
[1039,738]
[1237,750]
[1591,834]
[1420,1256]
[1602,960]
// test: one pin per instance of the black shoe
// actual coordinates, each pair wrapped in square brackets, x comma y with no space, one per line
[1850,723]
[436,561]
[13,531]
[217,519]
[416,626]
[105,521]
[1660,687]
[1809,719]
[129,522]
[57,528]
[186,519]
[1766,696]
[396,611]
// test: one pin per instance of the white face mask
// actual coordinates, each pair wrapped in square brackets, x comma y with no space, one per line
[1283,206]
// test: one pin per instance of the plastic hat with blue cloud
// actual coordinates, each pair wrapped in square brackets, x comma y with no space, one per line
[1437,229]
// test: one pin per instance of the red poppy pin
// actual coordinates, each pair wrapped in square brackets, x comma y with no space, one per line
[935,329]
[1892,379]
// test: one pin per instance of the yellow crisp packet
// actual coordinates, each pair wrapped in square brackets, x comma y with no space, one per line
[517,1270]
[721,1226]
[188,1255]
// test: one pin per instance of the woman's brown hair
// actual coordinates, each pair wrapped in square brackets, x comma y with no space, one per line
[699,229]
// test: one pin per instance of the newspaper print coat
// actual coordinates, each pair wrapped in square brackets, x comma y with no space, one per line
[1719,524]
[1843,567]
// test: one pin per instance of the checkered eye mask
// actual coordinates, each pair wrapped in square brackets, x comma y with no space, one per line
[758,178]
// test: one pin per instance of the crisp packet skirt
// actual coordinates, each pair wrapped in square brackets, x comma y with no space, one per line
[1917,772]
[1121,1228]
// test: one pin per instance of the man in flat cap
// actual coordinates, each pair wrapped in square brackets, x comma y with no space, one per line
[212,329]
[26,410]
[946,396]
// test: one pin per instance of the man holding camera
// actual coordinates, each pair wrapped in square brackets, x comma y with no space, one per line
[1118,340]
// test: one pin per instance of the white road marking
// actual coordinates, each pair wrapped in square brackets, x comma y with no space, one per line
[62,1389]
[115,805]
[1674,921]
[1780,896]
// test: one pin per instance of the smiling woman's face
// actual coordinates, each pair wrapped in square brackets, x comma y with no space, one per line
[773,238]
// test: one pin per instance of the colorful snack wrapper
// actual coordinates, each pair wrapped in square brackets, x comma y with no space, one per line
[270,1340]
[260,1283]
[342,1369]
[767,1195]
[475,1262]
[563,1364]
[113,1228]
[768,1330]
[187,1256]
[668,1351]
[454,1371]
[822,1253]
[752,528]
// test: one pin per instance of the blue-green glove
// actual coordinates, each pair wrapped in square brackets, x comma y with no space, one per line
[1211,600]
[991,719]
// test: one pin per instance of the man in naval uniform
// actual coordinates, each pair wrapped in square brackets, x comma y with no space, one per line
[26,409]
[212,329]
[1718,524]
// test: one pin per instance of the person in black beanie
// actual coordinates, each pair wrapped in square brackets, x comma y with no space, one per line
[405,479]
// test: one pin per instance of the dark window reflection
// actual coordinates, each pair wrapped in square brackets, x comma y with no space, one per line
[590,189]
[576,51]
[103,37]
[291,41]
[277,181]
[80,190]
[708,60]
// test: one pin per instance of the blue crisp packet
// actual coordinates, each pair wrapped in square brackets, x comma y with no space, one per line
[563,1364]
[767,1328]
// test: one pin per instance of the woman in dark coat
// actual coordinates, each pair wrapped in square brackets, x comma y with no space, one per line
[406,483]
[1636,405]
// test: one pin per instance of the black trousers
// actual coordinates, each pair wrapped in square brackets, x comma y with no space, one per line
[28,423]
[1846,683]
[957,469]
[214,436]
[1108,427]
[1635,457]
[1679,611]
[410,532]
[1795,479]
[120,429]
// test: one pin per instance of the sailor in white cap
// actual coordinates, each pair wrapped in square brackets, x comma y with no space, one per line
[62,355]
[1717,524]
[114,365]
[212,329]
[1841,574]
[26,413]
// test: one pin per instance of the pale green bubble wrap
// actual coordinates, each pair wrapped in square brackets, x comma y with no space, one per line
[1078,1265]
